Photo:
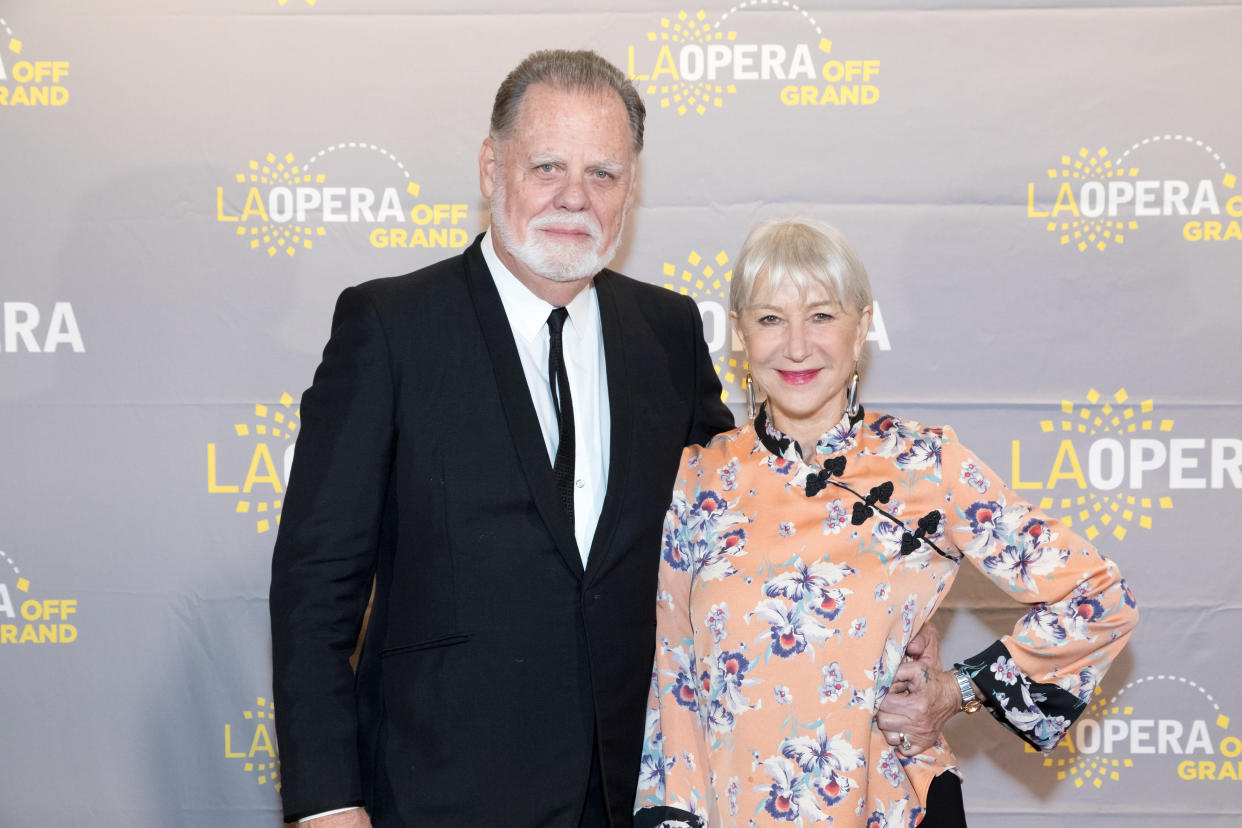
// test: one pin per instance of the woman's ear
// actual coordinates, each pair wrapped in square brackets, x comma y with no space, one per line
[864,327]
[735,327]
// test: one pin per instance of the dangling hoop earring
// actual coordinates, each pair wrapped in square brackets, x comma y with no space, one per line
[752,408]
[851,394]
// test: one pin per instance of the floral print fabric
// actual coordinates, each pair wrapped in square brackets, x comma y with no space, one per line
[784,610]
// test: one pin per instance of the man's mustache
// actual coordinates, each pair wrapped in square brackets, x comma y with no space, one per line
[577,221]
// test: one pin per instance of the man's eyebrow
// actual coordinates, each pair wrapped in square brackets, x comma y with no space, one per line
[611,165]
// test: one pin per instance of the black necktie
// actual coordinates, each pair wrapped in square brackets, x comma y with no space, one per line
[558,379]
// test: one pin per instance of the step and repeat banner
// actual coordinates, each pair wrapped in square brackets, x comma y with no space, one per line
[1046,196]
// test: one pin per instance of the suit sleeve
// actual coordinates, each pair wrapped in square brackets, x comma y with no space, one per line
[1079,611]
[673,786]
[711,415]
[325,560]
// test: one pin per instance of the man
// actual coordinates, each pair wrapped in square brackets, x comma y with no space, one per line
[500,469]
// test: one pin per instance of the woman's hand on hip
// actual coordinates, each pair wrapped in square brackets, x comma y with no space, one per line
[922,698]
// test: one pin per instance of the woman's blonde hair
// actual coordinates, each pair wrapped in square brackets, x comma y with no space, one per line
[801,251]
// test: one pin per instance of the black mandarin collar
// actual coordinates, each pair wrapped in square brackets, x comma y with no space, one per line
[782,445]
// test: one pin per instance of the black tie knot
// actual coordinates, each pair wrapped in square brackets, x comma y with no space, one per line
[556,321]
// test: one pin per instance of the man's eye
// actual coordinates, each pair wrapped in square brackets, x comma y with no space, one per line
[546,168]
[603,175]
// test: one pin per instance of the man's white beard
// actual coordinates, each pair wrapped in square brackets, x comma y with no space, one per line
[559,262]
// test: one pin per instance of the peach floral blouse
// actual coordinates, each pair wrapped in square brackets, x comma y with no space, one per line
[788,590]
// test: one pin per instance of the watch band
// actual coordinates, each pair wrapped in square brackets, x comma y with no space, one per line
[970,702]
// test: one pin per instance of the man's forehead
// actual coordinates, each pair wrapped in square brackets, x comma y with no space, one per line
[562,97]
[544,106]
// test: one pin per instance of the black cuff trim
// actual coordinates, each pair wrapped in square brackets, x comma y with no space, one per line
[1045,718]
[656,816]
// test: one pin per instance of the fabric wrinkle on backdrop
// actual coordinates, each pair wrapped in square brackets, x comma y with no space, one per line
[1045,194]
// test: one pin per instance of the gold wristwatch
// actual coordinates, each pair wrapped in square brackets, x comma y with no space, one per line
[970,702]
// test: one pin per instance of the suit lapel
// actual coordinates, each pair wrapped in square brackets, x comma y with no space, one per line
[519,411]
[621,401]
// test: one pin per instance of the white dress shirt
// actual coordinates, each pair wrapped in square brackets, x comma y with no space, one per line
[583,342]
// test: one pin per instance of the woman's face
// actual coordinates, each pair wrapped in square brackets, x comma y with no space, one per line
[802,351]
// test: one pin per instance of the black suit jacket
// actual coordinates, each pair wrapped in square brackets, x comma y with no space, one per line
[493,662]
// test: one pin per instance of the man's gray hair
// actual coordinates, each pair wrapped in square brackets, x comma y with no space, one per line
[800,251]
[579,71]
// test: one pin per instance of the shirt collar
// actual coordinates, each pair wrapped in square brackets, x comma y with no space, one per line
[528,313]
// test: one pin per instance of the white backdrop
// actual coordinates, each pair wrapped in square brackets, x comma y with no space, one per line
[1044,194]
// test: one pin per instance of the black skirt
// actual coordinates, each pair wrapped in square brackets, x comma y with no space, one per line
[944,803]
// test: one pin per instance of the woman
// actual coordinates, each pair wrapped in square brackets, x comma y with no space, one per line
[801,554]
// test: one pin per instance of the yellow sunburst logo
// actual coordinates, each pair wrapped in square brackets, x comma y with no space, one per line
[273,236]
[269,439]
[706,281]
[254,743]
[1104,505]
[684,95]
[1080,231]
[1093,770]
[1095,198]
[270,423]
[1108,735]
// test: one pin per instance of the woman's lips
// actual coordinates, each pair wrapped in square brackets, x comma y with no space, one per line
[798,377]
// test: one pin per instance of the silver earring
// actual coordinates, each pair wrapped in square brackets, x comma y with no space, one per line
[851,395]
[752,408]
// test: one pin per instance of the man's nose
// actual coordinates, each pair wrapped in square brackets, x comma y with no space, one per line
[572,195]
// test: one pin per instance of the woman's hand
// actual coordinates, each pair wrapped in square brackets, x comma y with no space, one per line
[922,698]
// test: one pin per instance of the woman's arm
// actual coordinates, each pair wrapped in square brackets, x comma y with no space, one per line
[1079,611]
[673,777]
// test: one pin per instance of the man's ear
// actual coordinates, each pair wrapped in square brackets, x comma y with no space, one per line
[629,197]
[488,164]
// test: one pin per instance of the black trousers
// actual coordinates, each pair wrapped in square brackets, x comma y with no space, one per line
[594,812]
[944,803]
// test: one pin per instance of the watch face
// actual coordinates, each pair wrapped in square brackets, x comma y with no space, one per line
[972,705]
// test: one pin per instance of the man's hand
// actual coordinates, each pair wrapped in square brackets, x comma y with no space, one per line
[925,648]
[353,818]
[921,699]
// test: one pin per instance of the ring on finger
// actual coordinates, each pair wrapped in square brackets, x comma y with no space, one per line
[906,745]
